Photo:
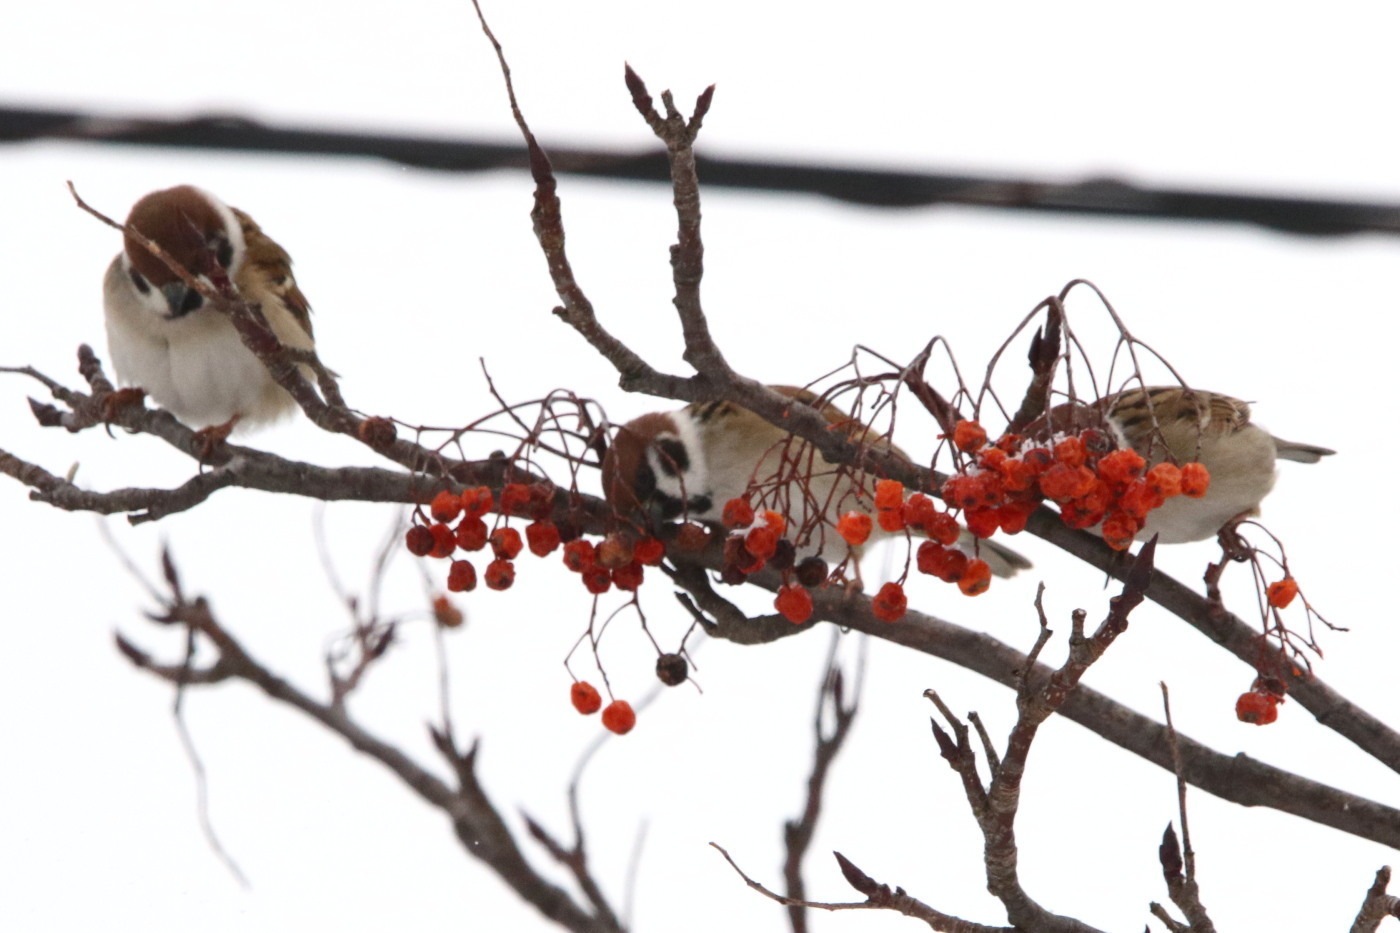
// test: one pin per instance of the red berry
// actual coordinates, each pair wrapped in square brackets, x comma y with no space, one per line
[1195,480]
[585,697]
[515,498]
[1064,481]
[891,520]
[1121,466]
[737,514]
[1280,594]
[775,521]
[1038,459]
[761,541]
[1016,475]
[969,436]
[955,564]
[446,506]
[1260,709]
[461,577]
[542,537]
[579,555]
[1070,452]
[794,602]
[889,494]
[976,579]
[930,557]
[628,577]
[506,543]
[541,500]
[943,529]
[1014,515]
[855,527]
[982,522]
[619,718]
[1139,498]
[597,580]
[446,614]
[890,603]
[918,512]
[476,502]
[471,533]
[444,542]
[1165,480]
[649,551]
[418,540]
[737,556]
[500,574]
[1119,530]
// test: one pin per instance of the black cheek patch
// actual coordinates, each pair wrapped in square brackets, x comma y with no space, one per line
[645,486]
[192,301]
[140,282]
[675,460]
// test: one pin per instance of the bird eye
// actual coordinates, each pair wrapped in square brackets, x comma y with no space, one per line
[223,250]
[139,281]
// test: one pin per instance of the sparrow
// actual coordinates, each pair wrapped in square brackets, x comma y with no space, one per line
[687,464]
[1182,424]
[163,336]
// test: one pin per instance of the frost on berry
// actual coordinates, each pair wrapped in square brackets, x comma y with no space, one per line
[1281,593]
[890,603]
[446,614]
[500,574]
[855,528]
[794,602]
[585,697]
[672,670]
[419,541]
[619,718]
[445,506]
[737,514]
[461,577]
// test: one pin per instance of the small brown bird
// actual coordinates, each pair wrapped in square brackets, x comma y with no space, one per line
[692,461]
[162,336]
[1187,425]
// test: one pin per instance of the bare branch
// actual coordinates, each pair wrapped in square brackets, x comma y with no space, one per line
[1378,904]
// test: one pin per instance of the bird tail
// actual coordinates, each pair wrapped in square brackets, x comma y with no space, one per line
[1002,560]
[1301,453]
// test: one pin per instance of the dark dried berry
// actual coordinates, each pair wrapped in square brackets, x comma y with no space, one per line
[671,669]
[812,572]
[783,555]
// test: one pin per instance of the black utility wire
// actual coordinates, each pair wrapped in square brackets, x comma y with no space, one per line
[1103,197]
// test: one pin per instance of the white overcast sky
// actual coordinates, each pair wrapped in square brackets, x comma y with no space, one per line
[415,275]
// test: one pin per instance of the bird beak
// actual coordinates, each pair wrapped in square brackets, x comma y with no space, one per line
[181,298]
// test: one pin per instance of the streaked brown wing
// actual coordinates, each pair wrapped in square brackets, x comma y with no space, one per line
[274,265]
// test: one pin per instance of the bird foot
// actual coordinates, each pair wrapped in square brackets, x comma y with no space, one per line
[113,402]
[211,437]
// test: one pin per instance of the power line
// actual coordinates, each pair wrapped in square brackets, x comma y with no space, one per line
[875,187]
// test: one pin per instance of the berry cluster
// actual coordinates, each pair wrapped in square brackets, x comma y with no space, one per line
[757,540]
[1092,483]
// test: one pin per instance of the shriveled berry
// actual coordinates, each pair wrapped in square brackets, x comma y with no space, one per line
[444,542]
[461,576]
[597,580]
[737,513]
[446,506]
[891,520]
[515,499]
[730,575]
[889,494]
[506,543]
[672,670]
[614,551]
[471,533]
[477,501]
[418,540]
[738,556]
[969,436]
[855,528]
[542,537]
[890,603]
[648,551]
[1281,593]
[500,574]
[628,577]
[446,614]
[579,555]
[976,579]
[1255,708]
[619,718]
[377,432]
[812,571]
[784,555]
[691,537]
[585,697]
[794,602]
[1195,480]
